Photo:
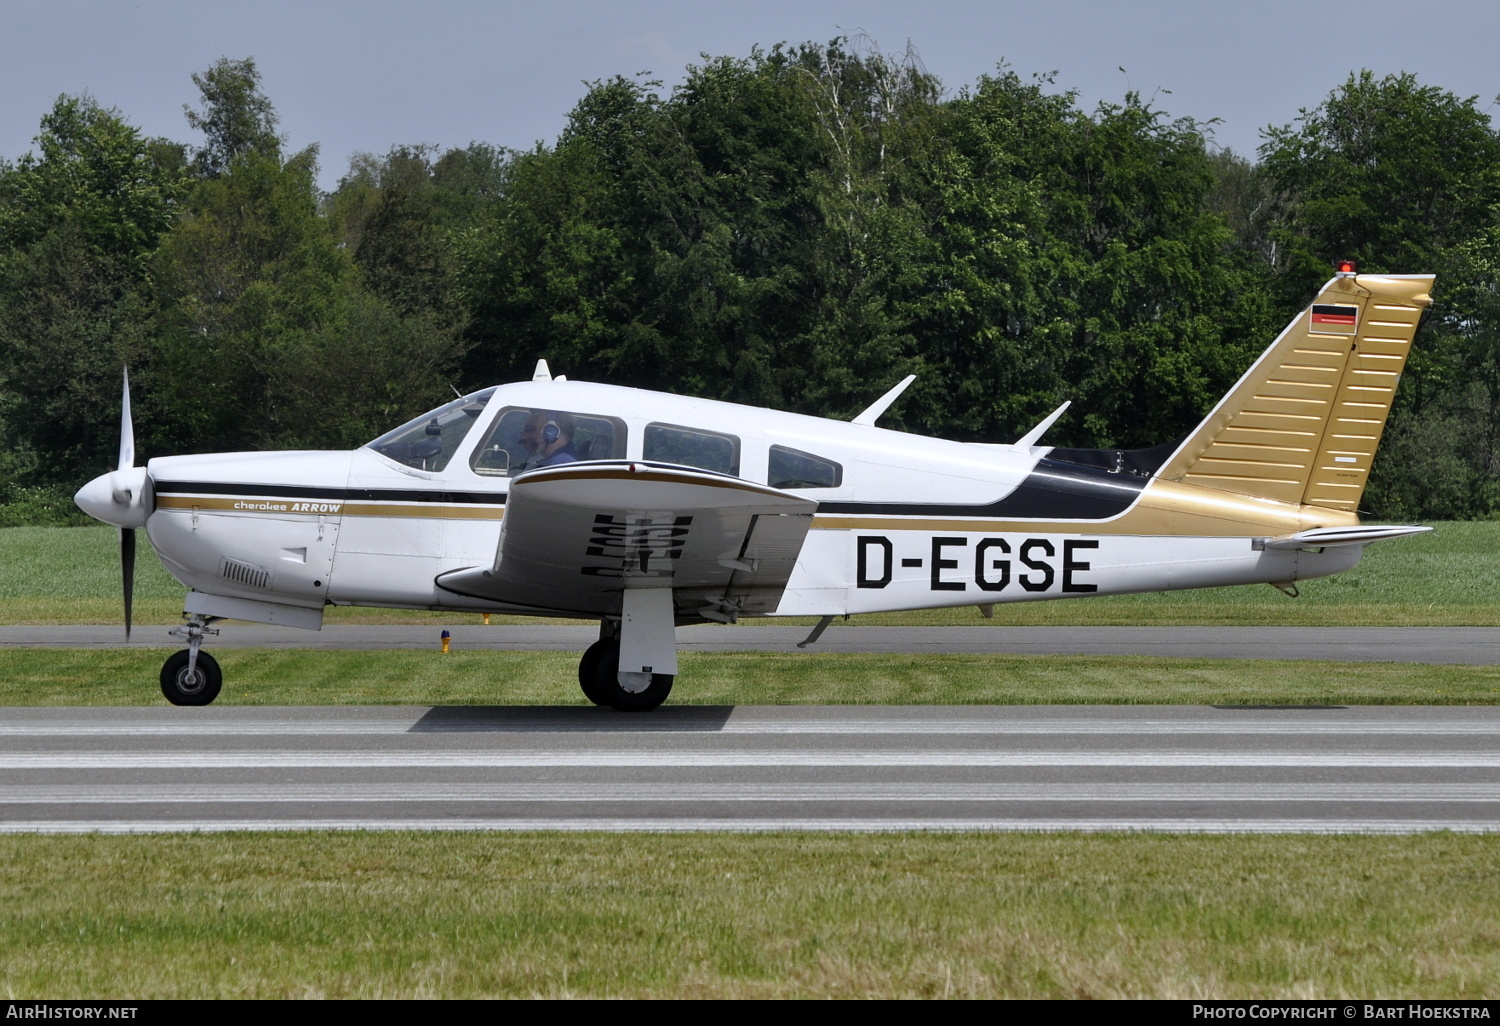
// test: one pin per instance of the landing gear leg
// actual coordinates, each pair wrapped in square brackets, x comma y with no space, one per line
[192,677]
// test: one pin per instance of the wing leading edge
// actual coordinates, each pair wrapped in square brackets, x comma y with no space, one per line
[575,537]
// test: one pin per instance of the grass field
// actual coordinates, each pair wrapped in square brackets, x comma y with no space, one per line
[895,915]
[770,915]
[1450,577]
[404,677]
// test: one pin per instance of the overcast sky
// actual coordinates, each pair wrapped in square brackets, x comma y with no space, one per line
[366,75]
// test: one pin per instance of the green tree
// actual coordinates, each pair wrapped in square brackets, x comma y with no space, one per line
[801,227]
[79,221]
[235,117]
[400,216]
[266,335]
[1405,178]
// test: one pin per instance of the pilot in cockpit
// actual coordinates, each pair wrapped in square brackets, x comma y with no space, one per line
[556,441]
[547,439]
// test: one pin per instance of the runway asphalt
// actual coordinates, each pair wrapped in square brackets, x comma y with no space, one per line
[752,768]
[1468,645]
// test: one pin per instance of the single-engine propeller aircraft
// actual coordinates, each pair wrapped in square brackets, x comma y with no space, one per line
[646,511]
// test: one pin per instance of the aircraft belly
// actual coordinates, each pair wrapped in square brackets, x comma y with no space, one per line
[403,580]
[393,561]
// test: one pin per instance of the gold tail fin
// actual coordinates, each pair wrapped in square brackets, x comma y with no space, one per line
[1302,425]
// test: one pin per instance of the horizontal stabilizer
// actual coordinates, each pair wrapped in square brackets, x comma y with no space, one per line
[1324,537]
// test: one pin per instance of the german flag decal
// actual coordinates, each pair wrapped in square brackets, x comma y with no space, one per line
[1330,319]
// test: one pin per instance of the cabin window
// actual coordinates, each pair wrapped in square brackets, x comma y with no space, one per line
[430,441]
[792,468]
[527,438]
[689,447]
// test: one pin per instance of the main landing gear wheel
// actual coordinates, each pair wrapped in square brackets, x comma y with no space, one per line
[598,673]
[588,668]
[197,688]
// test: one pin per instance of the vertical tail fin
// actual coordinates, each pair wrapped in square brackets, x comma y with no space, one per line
[1303,423]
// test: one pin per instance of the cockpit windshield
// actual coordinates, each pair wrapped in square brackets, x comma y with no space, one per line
[430,441]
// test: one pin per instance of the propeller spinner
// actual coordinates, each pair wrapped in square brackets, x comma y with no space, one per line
[123,497]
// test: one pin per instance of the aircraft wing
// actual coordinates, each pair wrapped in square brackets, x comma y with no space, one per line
[576,536]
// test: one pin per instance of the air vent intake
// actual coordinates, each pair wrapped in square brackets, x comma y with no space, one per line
[248,574]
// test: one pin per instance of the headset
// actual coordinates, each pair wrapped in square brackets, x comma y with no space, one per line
[550,432]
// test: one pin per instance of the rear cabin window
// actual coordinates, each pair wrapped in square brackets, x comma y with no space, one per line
[792,468]
[688,447]
[524,439]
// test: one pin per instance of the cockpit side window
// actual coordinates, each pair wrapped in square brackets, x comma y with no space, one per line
[524,439]
[689,447]
[430,441]
[792,468]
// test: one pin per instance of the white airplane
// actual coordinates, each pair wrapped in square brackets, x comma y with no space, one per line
[646,511]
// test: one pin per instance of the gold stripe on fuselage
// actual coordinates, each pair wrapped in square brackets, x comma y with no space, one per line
[352,508]
[1165,509]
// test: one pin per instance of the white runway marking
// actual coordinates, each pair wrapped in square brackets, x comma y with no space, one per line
[758,758]
[199,793]
[759,768]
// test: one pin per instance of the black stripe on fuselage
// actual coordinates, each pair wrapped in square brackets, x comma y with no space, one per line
[337,494]
[1054,490]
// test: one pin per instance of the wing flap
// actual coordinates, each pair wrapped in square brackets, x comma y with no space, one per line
[575,537]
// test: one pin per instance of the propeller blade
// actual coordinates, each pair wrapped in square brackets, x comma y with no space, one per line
[127,569]
[127,429]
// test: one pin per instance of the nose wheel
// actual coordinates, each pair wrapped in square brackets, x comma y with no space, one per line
[195,684]
[192,676]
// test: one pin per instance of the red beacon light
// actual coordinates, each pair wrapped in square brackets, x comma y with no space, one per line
[1346,268]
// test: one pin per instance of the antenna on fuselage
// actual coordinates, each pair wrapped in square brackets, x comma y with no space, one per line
[879,406]
[1033,436]
[541,373]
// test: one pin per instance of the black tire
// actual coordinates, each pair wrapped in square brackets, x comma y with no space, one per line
[603,684]
[588,668]
[201,689]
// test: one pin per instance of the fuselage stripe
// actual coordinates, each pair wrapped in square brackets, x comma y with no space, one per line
[309,493]
[284,506]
